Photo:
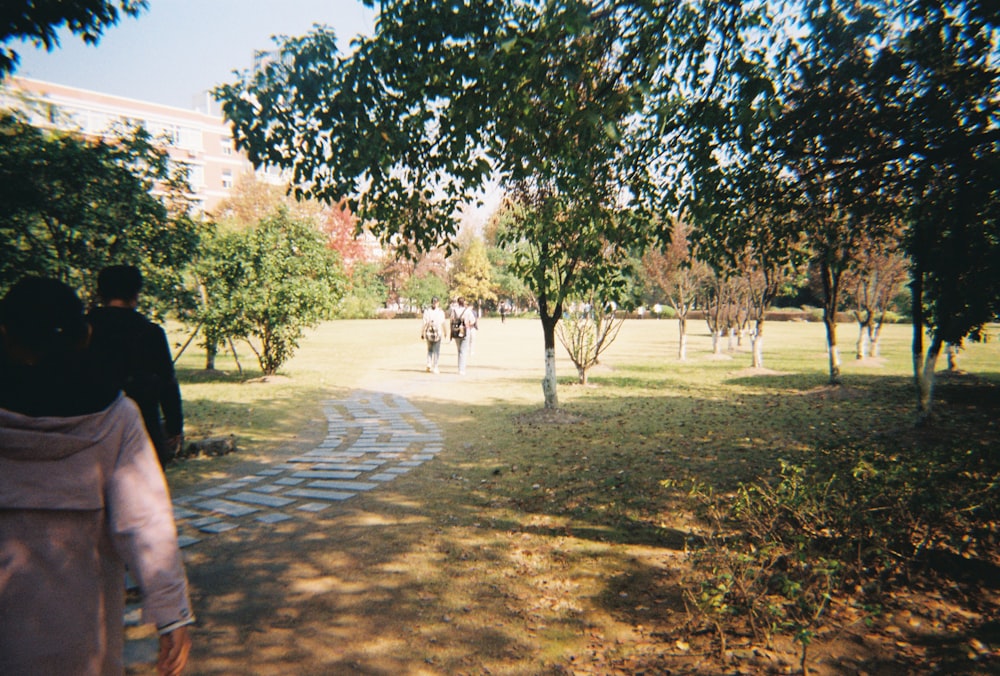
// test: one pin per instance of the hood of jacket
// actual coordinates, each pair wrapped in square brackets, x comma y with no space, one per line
[54,462]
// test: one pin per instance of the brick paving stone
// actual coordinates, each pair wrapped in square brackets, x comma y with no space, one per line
[261,499]
[273,517]
[349,466]
[204,521]
[182,513]
[343,485]
[320,494]
[226,507]
[382,476]
[320,474]
[312,507]
[186,541]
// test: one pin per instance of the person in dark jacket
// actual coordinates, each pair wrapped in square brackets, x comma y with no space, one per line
[135,356]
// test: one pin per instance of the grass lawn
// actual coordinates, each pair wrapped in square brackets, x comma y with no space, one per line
[579,541]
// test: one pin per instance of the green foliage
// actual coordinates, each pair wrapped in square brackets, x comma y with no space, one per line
[858,523]
[420,289]
[922,80]
[39,22]
[267,284]
[365,293]
[72,206]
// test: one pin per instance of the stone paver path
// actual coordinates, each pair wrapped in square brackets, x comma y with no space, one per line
[372,438]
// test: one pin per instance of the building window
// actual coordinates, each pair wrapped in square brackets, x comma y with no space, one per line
[227,179]
[196,176]
[189,138]
[227,147]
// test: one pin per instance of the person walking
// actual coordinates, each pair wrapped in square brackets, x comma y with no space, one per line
[135,355]
[82,496]
[433,331]
[462,321]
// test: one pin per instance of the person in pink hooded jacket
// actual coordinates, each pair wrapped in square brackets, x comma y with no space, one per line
[82,496]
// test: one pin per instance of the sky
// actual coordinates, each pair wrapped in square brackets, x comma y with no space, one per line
[177,50]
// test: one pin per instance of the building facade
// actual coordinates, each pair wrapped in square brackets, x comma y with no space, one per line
[200,141]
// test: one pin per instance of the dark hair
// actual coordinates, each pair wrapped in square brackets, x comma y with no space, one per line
[119,282]
[44,316]
[45,319]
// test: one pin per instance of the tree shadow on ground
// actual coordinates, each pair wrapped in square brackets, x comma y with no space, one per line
[533,546]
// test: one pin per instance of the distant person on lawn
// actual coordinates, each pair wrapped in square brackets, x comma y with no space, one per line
[82,496]
[433,331]
[463,319]
[135,355]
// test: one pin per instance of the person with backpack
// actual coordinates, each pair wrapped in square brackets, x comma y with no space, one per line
[463,319]
[433,332]
[135,357]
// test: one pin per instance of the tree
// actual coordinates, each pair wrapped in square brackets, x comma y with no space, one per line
[342,230]
[744,232]
[71,206]
[921,79]
[252,200]
[364,294]
[267,284]
[510,288]
[586,331]
[420,289]
[545,98]
[472,277]
[38,21]
[679,276]
[557,250]
[834,238]
[870,288]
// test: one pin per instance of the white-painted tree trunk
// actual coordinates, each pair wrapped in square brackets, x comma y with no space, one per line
[682,346]
[862,345]
[757,348]
[549,383]
[925,378]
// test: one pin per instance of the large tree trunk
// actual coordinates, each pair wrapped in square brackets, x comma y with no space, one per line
[682,328]
[831,345]
[549,382]
[923,368]
[831,290]
[925,380]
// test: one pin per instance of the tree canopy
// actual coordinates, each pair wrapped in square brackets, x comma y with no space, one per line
[564,103]
[72,206]
[267,283]
[608,116]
